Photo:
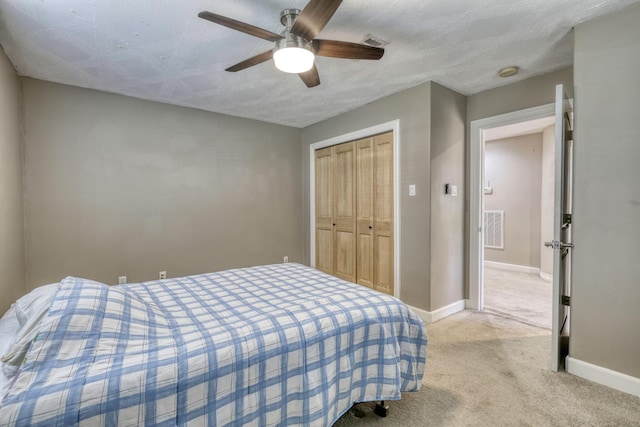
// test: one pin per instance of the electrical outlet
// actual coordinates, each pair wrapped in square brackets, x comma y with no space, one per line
[286,259]
[163,275]
[122,280]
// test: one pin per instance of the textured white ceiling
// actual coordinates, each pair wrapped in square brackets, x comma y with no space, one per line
[160,50]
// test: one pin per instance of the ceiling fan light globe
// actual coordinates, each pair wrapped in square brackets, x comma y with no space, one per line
[294,60]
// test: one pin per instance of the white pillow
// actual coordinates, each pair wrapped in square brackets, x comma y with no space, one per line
[29,331]
[9,329]
[31,308]
[34,302]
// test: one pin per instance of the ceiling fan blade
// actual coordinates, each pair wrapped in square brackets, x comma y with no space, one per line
[240,26]
[311,78]
[314,17]
[250,62]
[338,49]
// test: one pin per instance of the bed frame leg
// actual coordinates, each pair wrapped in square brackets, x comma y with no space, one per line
[381,409]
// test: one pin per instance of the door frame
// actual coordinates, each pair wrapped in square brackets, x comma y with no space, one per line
[476,195]
[392,126]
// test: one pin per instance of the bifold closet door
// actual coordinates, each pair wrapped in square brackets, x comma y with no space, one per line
[336,210]
[364,247]
[383,256]
[354,211]
[324,210]
[344,209]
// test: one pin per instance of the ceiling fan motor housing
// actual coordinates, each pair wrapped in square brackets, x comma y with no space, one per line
[291,40]
[288,17]
[292,53]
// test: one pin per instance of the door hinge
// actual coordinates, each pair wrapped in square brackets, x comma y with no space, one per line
[566,300]
[566,221]
[568,135]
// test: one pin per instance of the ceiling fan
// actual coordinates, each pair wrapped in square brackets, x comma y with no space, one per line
[296,46]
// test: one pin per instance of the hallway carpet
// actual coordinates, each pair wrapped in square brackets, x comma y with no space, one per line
[523,296]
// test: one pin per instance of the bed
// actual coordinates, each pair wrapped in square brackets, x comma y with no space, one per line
[280,344]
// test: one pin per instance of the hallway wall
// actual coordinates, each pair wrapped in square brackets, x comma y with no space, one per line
[514,166]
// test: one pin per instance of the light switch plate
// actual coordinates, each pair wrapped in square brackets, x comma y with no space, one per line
[412,190]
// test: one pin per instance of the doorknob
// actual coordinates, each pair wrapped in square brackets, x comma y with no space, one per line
[557,245]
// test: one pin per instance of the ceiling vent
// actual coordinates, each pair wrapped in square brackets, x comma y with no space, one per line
[374,41]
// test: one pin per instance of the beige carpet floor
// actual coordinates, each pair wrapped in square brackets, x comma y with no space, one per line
[523,296]
[489,370]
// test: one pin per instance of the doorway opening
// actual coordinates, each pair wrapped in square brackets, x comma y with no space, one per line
[518,200]
[478,183]
[561,243]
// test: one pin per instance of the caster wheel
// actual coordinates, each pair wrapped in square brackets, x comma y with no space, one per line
[381,409]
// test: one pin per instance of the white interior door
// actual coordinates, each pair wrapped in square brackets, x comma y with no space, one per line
[561,244]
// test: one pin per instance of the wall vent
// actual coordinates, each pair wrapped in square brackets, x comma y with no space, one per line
[494,229]
[374,41]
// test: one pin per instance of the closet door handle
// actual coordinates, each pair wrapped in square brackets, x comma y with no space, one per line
[334,225]
[370,227]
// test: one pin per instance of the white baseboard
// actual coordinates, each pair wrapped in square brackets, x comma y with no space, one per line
[423,314]
[441,313]
[604,376]
[545,276]
[512,267]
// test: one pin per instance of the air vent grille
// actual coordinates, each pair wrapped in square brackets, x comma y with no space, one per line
[374,41]
[494,229]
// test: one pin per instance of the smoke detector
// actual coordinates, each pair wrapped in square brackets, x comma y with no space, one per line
[509,71]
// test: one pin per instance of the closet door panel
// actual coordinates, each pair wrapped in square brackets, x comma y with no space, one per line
[324,210]
[384,177]
[364,264]
[383,213]
[383,262]
[364,166]
[345,181]
[324,250]
[345,261]
[344,212]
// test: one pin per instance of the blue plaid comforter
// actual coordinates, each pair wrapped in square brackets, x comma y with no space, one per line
[273,345]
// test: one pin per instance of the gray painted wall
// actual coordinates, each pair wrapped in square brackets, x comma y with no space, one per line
[605,323]
[514,166]
[12,263]
[120,186]
[547,193]
[528,93]
[424,284]
[448,116]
